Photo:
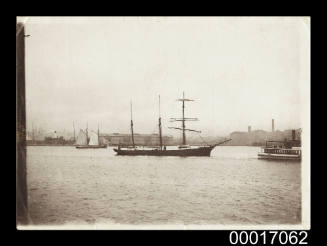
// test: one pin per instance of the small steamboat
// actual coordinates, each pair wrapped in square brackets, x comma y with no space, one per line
[281,150]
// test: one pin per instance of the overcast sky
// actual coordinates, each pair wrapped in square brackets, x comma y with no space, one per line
[240,72]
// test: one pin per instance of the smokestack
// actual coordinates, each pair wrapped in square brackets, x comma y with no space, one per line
[293,134]
[272,125]
[249,128]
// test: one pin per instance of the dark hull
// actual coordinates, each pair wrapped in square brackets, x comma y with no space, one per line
[201,151]
[91,147]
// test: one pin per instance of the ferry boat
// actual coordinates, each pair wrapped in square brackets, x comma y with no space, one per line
[281,150]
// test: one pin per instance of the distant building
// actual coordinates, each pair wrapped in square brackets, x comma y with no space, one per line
[54,141]
[259,137]
[139,139]
[249,128]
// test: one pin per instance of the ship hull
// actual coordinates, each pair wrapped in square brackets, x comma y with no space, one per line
[91,147]
[269,156]
[201,151]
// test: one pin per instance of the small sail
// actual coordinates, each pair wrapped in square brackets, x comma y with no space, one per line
[81,138]
[93,139]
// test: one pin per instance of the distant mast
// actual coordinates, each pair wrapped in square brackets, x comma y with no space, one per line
[33,137]
[98,135]
[132,132]
[74,132]
[160,134]
[183,119]
[87,141]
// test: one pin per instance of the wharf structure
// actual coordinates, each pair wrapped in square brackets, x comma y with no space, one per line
[111,139]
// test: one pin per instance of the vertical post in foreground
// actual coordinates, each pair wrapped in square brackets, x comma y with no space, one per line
[21,185]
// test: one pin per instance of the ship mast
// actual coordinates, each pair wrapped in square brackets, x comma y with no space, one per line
[132,132]
[87,141]
[160,134]
[98,135]
[183,119]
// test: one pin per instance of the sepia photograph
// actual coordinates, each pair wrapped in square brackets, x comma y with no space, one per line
[163,123]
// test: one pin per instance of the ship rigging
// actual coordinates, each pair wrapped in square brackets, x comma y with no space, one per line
[182,150]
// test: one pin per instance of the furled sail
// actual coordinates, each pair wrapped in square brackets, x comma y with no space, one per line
[93,139]
[81,138]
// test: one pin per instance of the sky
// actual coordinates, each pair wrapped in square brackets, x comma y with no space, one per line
[241,71]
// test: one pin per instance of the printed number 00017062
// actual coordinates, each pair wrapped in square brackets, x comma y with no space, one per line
[277,237]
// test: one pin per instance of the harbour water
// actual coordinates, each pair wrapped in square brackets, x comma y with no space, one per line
[94,186]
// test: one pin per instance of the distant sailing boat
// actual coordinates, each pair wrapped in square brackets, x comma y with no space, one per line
[183,150]
[83,141]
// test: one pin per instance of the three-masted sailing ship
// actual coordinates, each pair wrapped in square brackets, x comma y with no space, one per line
[182,150]
[84,141]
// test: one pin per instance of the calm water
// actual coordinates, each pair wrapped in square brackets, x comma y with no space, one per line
[68,185]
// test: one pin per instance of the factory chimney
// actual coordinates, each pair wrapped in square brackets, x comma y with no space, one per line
[272,125]
[249,128]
